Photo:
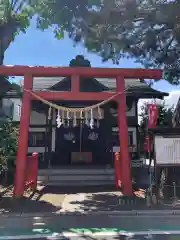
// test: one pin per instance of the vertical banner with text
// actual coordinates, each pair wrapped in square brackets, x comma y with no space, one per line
[152,115]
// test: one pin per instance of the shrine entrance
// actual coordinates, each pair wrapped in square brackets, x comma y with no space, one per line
[82,138]
[81,145]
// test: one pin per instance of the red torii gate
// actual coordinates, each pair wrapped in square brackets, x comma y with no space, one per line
[75,94]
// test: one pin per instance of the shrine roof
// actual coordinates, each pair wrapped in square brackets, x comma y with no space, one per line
[134,87]
[145,91]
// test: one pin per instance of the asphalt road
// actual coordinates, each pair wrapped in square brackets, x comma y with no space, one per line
[92,227]
[119,237]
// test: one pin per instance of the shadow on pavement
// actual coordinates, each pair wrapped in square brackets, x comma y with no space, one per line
[25,205]
[109,201]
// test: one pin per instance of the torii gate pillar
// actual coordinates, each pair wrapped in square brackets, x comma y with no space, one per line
[125,165]
[23,138]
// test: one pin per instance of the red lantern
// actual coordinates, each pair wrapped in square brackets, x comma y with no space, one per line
[152,115]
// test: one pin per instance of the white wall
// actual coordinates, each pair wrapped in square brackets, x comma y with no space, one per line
[40,118]
[7,102]
[37,118]
[132,111]
[17,109]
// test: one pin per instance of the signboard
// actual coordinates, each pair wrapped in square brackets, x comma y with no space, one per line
[167,150]
[116,149]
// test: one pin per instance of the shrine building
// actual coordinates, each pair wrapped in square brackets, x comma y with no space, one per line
[82,146]
[76,118]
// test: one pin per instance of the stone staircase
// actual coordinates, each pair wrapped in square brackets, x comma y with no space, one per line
[70,176]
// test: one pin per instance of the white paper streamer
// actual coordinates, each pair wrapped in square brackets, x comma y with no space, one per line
[91,120]
[86,118]
[68,119]
[74,120]
[59,120]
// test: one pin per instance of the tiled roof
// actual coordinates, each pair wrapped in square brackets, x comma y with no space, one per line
[42,83]
[135,86]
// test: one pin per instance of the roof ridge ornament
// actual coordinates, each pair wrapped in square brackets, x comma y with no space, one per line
[79,61]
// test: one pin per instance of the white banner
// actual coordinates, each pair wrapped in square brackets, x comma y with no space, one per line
[167,150]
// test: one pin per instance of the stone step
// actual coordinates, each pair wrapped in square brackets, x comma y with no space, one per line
[78,171]
[77,177]
[77,183]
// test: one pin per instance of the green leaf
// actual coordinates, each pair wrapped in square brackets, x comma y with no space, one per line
[59,35]
[147,31]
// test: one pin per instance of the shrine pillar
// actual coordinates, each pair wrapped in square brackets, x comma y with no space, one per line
[23,138]
[123,137]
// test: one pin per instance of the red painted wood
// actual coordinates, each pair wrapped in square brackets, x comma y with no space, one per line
[118,170]
[75,84]
[31,172]
[81,71]
[123,136]
[35,171]
[23,138]
[71,96]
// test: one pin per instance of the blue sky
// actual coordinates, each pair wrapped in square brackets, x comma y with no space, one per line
[41,48]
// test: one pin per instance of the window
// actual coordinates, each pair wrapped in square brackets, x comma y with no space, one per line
[18,110]
[115,138]
[37,139]
[130,138]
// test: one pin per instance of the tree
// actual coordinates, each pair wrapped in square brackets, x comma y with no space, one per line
[165,115]
[14,17]
[147,30]
[8,145]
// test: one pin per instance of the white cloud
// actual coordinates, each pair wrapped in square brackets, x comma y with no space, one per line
[171,100]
